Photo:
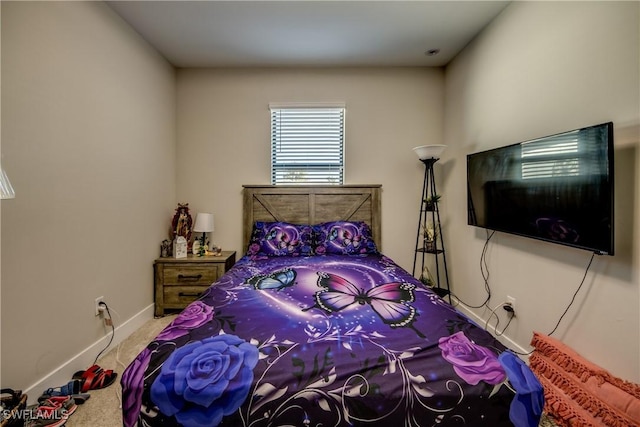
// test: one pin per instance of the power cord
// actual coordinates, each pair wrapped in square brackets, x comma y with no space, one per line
[568,306]
[118,361]
[507,307]
[574,294]
[499,334]
[108,321]
[484,270]
[493,313]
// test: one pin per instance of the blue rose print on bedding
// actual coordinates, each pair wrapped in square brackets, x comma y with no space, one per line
[205,380]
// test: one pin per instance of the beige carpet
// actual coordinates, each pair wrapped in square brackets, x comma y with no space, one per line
[103,408]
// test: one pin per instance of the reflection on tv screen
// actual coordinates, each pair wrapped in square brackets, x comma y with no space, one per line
[557,188]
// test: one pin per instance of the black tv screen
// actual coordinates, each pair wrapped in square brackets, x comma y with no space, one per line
[558,188]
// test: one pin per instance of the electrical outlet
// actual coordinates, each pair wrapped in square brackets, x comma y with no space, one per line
[511,300]
[97,305]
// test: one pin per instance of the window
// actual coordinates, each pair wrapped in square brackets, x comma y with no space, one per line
[307,145]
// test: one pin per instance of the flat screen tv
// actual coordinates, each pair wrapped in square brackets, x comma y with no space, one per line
[558,188]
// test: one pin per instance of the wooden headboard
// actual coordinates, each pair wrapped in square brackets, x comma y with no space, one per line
[311,205]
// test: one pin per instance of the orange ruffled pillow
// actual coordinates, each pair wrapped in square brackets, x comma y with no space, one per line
[580,393]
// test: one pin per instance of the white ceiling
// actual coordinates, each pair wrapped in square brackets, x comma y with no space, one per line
[306,32]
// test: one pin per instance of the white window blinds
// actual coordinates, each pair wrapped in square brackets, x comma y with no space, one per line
[307,145]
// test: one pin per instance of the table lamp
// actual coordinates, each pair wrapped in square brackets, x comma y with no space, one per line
[204,224]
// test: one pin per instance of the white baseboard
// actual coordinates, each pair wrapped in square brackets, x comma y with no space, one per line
[504,339]
[62,374]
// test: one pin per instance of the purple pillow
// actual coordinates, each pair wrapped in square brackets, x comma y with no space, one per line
[343,238]
[280,239]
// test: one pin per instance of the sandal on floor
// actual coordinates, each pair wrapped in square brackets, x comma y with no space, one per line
[95,378]
[79,398]
[72,387]
[53,412]
[10,397]
[12,405]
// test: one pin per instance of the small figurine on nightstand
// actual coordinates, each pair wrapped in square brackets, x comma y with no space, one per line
[181,224]
[215,250]
[165,248]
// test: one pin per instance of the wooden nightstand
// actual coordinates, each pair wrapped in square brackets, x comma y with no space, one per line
[179,281]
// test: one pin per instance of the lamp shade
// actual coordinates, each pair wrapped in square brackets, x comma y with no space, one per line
[204,223]
[6,190]
[429,151]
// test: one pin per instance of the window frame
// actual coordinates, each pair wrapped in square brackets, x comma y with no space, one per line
[330,170]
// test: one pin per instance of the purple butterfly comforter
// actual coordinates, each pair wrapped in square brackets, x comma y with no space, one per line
[319,341]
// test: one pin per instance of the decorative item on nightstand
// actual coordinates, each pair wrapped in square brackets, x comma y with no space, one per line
[166,248]
[181,224]
[180,247]
[195,247]
[204,225]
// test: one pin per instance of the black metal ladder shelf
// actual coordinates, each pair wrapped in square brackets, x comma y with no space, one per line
[430,240]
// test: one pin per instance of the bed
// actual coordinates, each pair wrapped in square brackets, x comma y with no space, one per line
[314,326]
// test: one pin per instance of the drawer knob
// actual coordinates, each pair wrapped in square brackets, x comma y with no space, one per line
[189,277]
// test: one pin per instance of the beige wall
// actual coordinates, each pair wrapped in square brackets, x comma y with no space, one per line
[538,69]
[223,134]
[91,115]
[88,139]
